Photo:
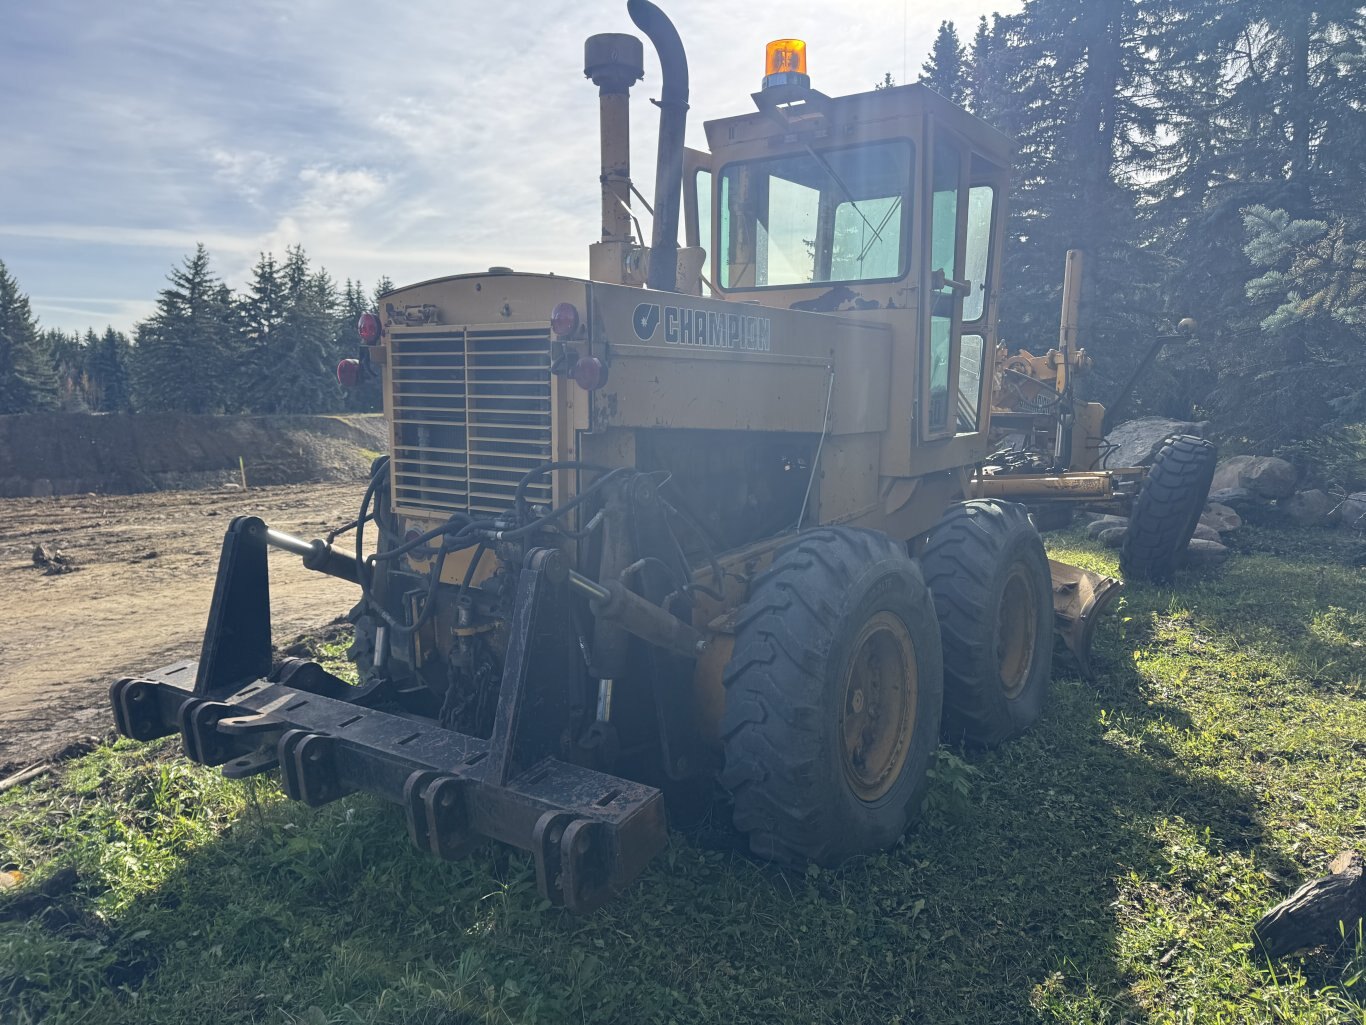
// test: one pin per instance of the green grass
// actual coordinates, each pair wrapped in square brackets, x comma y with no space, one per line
[1104,868]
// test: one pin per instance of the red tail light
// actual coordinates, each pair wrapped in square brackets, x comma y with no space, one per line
[589,373]
[368,328]
[348,373]
[564,319]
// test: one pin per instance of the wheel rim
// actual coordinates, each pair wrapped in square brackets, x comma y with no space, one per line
[1015,637]
[877,716]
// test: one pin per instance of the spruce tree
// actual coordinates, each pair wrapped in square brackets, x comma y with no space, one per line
[382,287]
[27,381]
[1070,70]
[262,306]
[1261,106]
[300,373]
[944,70]
[983,86]
[261,323]
[66,353]
[108,366]
[186,351]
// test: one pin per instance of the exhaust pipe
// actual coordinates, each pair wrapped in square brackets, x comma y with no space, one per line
[673,118]
[615,62]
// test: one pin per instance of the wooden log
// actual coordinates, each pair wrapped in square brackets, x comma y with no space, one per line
[24,775]
[1318,911]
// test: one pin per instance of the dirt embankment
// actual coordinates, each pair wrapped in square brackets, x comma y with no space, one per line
[120,454]
[138,595]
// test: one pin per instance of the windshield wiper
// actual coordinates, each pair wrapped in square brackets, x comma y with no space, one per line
[877,235]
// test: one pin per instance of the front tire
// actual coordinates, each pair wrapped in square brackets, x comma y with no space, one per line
[1168,508]
[986,567]
[833,698]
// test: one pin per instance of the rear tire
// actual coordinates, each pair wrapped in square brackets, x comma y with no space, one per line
[1168,508]
[833,697]
[986,567]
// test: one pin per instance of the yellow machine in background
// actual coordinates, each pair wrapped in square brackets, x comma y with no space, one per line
[1049,449]
[713,512]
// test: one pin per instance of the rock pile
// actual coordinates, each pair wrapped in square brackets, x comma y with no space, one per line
[1256,484]
[1246,484]
[1206,546]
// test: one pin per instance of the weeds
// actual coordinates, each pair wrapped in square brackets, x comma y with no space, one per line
[1106,867]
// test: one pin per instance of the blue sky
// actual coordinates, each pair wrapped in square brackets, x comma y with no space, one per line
[406,140]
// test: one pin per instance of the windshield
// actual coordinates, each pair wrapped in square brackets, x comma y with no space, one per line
[832,216]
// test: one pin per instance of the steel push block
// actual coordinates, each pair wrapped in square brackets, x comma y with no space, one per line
[588,832]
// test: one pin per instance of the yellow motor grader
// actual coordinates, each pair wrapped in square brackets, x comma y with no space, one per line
[712,513]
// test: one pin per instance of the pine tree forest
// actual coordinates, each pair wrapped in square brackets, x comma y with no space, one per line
[1208,156]
[272,347]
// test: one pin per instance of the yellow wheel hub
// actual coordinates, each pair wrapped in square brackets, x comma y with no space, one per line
[877,715]
[1015,634]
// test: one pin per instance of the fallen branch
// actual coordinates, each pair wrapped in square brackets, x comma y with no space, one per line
[1318,912]
[24,775]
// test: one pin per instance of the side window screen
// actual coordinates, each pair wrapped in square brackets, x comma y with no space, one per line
[943,257]
[981,200]
[702,185]
[970,354]
[944,244]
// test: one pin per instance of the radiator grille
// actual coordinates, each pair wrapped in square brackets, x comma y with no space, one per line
[471,415]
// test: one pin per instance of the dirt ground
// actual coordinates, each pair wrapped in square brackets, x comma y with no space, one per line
[139,596]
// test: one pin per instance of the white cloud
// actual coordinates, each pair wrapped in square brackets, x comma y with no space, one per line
[432,138]
[249,172]
[97,312]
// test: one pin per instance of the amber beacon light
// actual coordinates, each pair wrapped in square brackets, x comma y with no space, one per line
[785,63]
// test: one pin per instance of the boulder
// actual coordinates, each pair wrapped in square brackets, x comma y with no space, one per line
[1097,526]
[1220,517]
[1112,537]
[1205,533]
[1311,508]
[1352,512]
[1137,441]
[1231,497]
[1205,553]
[1264,476]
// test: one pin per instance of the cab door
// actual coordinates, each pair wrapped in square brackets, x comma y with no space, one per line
[943,283]
[963,235]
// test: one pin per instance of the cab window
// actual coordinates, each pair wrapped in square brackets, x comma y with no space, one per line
[822,216]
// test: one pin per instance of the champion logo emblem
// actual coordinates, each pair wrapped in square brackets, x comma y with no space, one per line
[646,321]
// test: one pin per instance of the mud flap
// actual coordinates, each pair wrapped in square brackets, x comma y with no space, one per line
[1080,597]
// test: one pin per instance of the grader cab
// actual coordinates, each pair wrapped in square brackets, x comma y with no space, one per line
[708,514]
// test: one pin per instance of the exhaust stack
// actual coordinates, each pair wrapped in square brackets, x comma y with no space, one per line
[615,62]
[673,118]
